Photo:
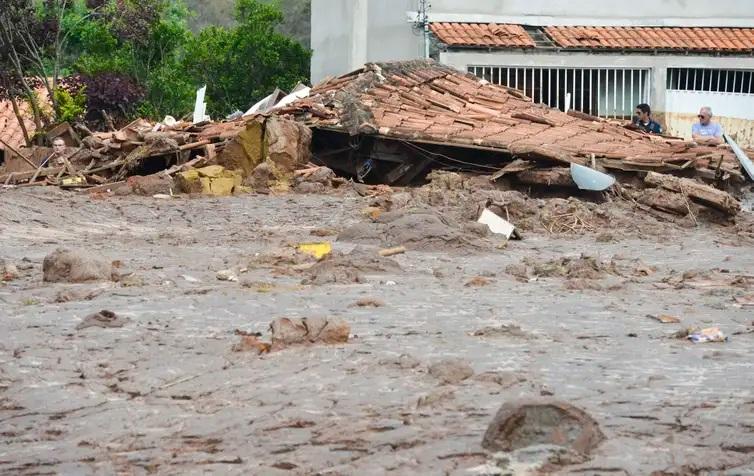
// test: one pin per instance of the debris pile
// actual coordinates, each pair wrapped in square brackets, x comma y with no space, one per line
[144,158]
[291,332]
[432,116]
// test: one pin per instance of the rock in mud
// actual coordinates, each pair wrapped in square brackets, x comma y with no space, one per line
[349,268]
[105,319]
[478,282]
[403,361]
[316,182]
[74,266]
[451,371]
[542,422]
[149,185]
[504,379]
[68,295]
[369,302]
[251,343]
[8,271]
[319,330]
[421,228]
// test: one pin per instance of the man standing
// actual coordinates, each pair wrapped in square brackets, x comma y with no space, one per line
[705,131]
[643,120]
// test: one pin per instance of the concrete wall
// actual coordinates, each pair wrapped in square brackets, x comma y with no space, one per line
[348,33]
[597,12]
[332,37]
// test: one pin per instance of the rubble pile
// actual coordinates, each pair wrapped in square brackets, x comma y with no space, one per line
[146,158]
[438,117]
[402,123]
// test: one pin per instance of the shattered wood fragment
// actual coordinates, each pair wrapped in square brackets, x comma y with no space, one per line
[699,192]
[559,176]
[517,165]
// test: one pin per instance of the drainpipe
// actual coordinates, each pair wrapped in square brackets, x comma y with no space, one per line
[424,7]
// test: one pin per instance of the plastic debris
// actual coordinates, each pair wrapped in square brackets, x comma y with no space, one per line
[590,179]
[318,250]
[746,163]
[498,225]
[710,334]
[227,275]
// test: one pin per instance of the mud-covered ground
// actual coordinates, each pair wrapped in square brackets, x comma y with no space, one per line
[166,394]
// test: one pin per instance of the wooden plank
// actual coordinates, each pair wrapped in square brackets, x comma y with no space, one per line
[15,151]
[517,165]
[698,192]
[558,176]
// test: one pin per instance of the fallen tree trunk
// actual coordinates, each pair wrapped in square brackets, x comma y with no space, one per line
[698,192]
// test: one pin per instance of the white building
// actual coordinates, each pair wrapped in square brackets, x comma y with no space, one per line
[602,57]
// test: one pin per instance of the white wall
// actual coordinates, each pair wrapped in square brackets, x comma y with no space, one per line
[348,33]
[332,37]
[598,12]
[731,105]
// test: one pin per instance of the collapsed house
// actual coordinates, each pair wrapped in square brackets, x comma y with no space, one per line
[393,123]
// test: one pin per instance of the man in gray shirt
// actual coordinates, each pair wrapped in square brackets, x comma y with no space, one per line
[705,131]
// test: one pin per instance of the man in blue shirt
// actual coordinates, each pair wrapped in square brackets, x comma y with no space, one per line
[643,120]
[705,131]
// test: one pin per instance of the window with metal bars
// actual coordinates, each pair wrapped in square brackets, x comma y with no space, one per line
[711,80]
[604,92]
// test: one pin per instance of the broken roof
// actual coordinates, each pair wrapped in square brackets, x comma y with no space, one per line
[423,101]
[10,129]
[697,39]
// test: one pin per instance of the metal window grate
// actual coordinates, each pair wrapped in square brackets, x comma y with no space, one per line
[735,81]
[604,92]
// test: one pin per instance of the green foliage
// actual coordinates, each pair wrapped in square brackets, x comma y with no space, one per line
[71,107]
[149,42]
[246,62]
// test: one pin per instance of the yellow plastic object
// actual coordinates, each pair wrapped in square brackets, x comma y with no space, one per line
[73,181]
[318,250]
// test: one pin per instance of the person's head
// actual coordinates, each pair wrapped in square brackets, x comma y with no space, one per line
[643,112]
[705,115]
[58,145]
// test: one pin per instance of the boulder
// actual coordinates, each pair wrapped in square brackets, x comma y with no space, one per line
[451,371]
[542,422]
[212,180]
[74,266]
[288,143]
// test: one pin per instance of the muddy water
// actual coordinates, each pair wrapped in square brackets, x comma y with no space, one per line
[165,394]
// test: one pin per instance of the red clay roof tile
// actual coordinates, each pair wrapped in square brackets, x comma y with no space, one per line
[482,34]
[653,38]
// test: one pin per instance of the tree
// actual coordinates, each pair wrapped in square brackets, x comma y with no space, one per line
[26,38]
[138,57]
[242,64]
